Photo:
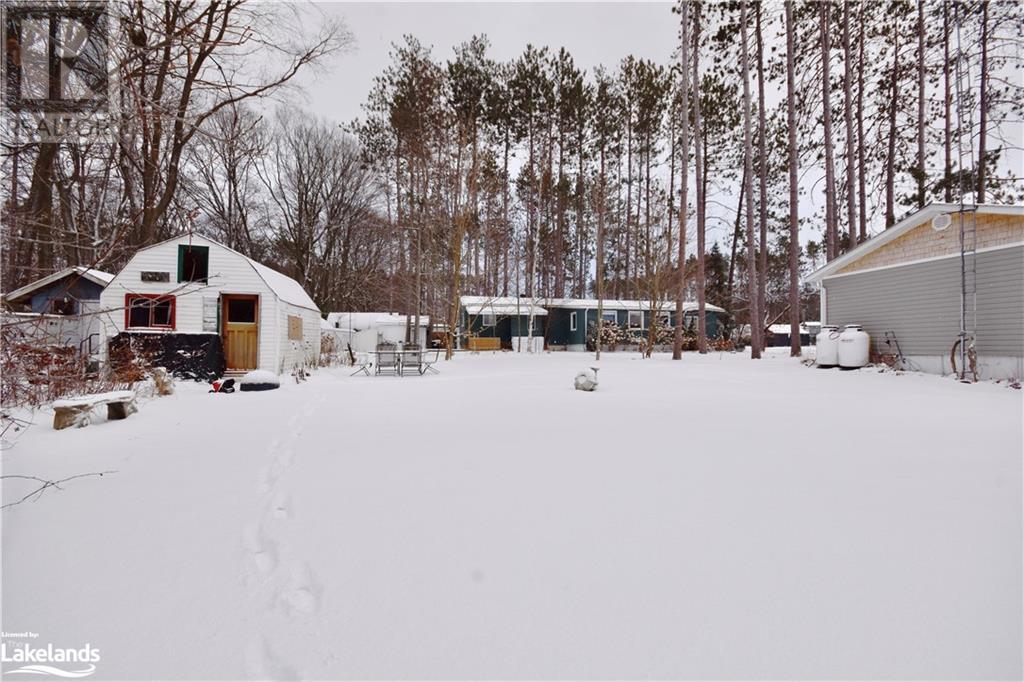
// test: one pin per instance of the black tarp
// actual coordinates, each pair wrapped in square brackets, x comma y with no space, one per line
[199,357]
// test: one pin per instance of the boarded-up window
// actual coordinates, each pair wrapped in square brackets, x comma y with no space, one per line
[210,311]
[294,328]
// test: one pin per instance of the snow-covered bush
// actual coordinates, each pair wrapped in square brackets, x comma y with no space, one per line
[612,335]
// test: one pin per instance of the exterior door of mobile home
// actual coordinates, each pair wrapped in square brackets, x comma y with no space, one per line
[240,330]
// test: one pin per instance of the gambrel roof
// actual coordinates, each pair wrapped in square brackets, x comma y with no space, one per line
[283,286]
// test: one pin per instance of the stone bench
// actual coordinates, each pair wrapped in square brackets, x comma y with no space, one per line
[76,411]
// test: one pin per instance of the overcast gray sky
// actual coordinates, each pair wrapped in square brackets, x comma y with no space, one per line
[593,32]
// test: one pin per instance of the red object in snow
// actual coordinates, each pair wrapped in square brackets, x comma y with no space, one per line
[223,386]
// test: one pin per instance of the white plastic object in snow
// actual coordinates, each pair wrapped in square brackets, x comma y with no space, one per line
[528,344]
[826,346]
[854,347]
[586,380]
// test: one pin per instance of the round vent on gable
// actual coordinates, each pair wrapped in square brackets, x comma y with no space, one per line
[941,222]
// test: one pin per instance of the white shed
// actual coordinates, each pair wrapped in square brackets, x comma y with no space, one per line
[365,330]
[191,284]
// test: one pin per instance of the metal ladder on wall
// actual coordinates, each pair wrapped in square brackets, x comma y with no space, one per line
[968,294]
[967,336]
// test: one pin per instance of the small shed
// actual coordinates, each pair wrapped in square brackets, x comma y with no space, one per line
[61,308]
[196,296]
[67,292]
[779,335]
[941,268]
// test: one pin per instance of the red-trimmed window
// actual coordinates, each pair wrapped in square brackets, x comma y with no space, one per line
[148,311]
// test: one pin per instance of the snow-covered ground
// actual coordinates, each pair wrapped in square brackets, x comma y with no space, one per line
[710,518]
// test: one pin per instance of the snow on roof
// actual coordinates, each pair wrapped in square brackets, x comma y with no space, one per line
[902,227]
[286,288]
[502,305]
[95,276]
[511,303]
[367,320]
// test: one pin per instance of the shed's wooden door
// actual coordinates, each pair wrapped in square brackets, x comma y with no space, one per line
[241,317]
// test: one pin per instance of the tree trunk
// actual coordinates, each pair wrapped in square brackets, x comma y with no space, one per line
[983,114]
[559,250]
[581,286]
[851,148]
[831,231]
[37,218]
[890,161]
[684,143]
[599,275]
[921,176]
[507,237]
[698,163]
[862,166]
[762,169]
[531,220]
[729,287]
[629,192]
[794,218]
[748,159]
[947,104]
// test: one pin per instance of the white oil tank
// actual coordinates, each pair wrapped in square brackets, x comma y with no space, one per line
[854,347]
[826,346]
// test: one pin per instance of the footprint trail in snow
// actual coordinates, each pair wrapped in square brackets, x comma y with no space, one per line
[283,586]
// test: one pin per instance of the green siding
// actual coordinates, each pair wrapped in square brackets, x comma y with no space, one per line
[556,327]
[506,327]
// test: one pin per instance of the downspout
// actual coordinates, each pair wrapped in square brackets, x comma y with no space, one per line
[277,335]
[585,328]
[822,302]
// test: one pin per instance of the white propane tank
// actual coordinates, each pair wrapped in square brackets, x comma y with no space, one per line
[826,346]
[854,347]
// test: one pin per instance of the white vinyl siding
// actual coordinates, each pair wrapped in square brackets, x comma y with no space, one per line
[296,353]
[229,273]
